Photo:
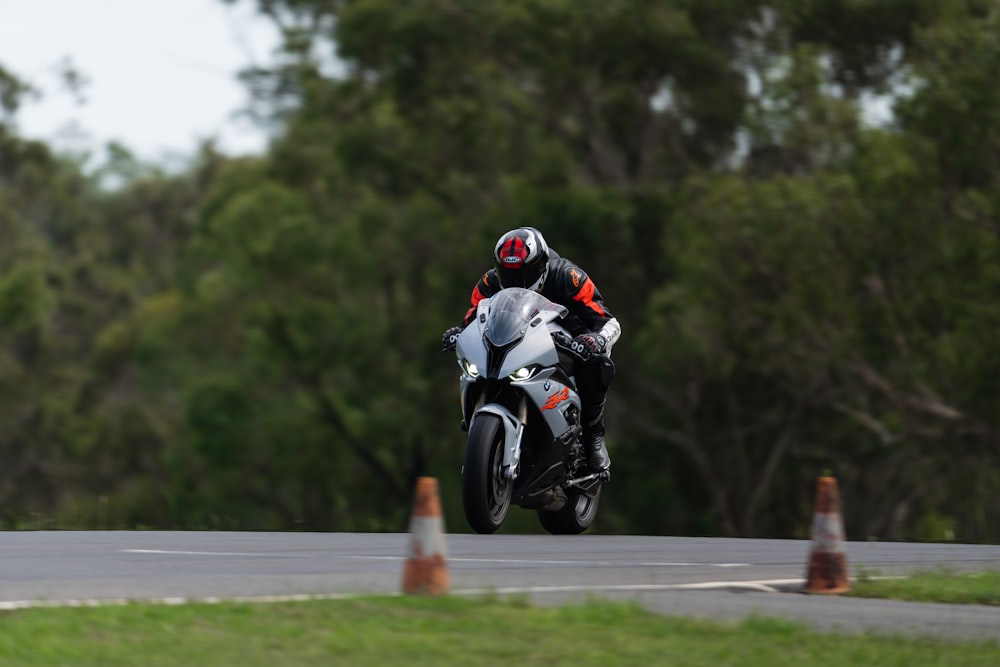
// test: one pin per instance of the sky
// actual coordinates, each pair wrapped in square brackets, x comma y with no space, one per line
[160,74]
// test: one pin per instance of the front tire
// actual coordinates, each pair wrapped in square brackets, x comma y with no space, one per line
[576,515]
[486,493]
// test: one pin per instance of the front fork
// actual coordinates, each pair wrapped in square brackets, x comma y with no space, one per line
[513,432]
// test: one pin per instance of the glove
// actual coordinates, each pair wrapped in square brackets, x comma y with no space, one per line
[449,339]
[588,345]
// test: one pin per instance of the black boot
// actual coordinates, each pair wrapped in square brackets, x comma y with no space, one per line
[593,439]
[597,451]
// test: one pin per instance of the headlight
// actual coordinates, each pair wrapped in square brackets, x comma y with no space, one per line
[521,374]
[470,368]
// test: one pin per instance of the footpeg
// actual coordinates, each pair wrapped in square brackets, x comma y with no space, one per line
[602,476]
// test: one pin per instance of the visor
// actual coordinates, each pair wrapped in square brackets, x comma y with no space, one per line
[522,276]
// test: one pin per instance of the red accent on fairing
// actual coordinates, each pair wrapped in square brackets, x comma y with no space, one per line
[586,297]
[555,399]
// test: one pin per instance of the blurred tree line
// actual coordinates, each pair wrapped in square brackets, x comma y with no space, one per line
[806,281]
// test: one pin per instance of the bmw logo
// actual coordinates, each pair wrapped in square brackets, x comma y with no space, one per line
[547,385]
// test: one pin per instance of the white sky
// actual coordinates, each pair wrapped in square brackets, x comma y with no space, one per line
[161,73]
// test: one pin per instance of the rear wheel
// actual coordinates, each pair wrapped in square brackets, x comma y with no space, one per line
[575,516]
[486,493]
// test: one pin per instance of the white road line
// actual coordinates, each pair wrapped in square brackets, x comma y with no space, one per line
[11,605]
[592,563]
[769,586]
[586,563]
[218,553]
[501,561]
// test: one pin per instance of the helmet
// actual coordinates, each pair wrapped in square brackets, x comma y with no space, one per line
[522,259]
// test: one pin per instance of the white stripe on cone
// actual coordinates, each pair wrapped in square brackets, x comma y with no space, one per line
[427,537]
[828,533]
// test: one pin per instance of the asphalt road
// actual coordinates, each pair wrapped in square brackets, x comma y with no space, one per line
[724,579]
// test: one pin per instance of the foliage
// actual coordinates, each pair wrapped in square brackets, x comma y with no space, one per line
[253,343]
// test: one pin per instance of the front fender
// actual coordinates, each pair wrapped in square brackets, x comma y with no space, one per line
[513,430]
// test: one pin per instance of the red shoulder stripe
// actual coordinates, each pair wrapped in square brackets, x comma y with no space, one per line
[586,297]
[477,296]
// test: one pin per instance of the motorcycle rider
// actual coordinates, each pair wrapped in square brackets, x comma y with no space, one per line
[523,259]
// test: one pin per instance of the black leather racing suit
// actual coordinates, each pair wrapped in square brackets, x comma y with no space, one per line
[568,285]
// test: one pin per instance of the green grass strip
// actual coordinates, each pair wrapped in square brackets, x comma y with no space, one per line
[937,585]
[440,632]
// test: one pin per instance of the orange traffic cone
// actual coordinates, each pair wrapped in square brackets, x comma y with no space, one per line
[828,557]
[426,568]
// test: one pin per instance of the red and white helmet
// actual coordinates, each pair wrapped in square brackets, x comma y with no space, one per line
[522,258]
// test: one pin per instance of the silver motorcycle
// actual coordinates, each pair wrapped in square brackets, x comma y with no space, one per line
[522,413]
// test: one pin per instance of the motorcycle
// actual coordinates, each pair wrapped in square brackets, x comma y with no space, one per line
[521,409]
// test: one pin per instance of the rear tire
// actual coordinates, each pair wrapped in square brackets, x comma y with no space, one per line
[486,493]
[575,516]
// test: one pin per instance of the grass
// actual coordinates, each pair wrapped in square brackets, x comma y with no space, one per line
[443,632]
[937,585]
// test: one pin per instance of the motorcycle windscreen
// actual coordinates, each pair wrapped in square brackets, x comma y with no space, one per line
[512,310]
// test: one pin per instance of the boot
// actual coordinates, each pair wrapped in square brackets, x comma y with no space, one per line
[593,439]
[597,451]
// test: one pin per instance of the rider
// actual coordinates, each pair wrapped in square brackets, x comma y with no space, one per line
[523,259]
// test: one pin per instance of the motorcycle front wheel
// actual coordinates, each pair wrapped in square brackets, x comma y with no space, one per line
[575,516]
[486,493]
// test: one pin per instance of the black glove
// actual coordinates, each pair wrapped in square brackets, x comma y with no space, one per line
[588,345]
[449,339]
